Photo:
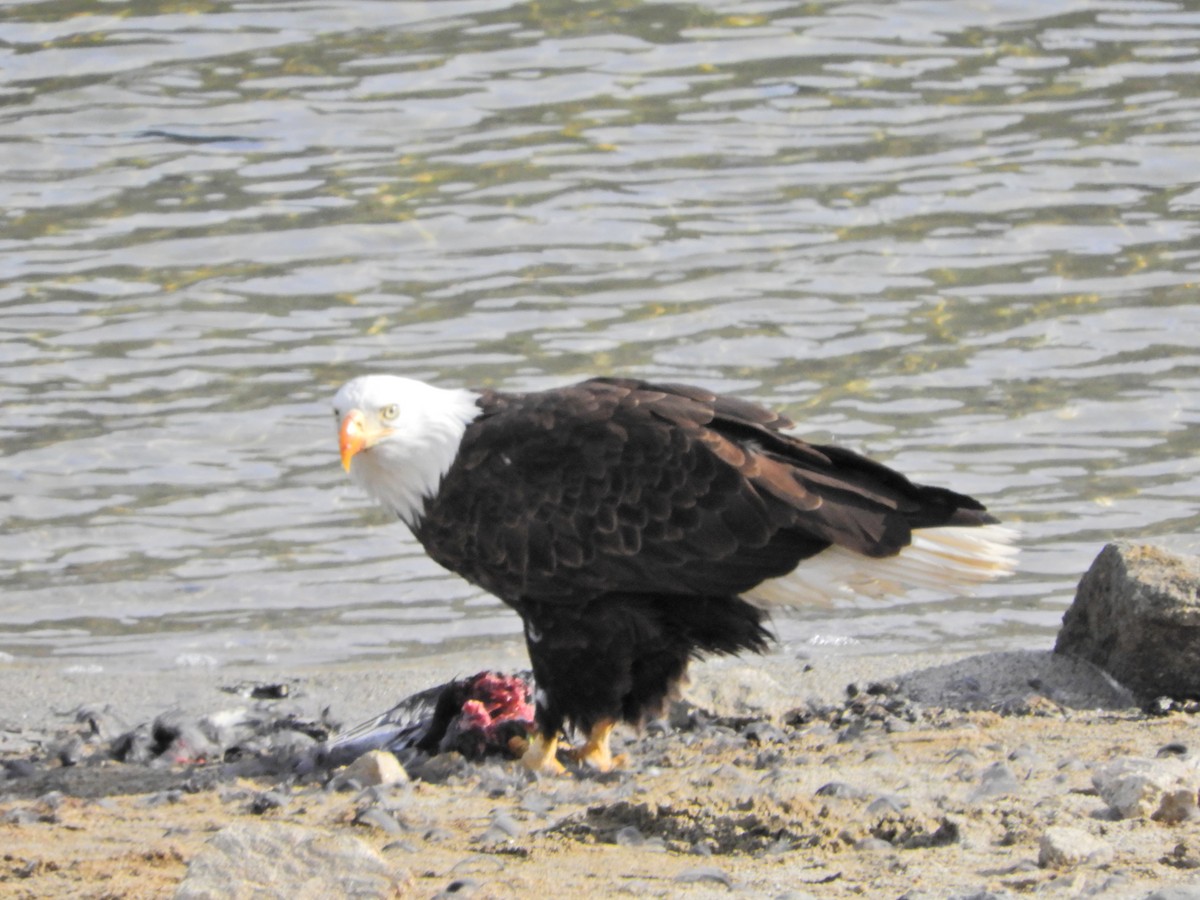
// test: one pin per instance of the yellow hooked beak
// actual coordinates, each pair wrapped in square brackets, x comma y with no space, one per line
[356,435]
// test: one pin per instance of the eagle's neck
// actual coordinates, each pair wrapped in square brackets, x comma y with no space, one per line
[405,471]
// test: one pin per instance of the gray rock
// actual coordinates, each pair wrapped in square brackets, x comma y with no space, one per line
[502,829]
[506,824]
[1136,615]
[1062,847]
[841,790]
[1178,892]
[889,804]
[21,816]
[275,860]
[997,780]
[705,873]
[1164,789]
[376,817]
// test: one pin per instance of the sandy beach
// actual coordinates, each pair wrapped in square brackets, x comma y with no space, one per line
[802,774]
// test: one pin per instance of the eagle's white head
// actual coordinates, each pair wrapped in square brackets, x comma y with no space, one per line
[398,437]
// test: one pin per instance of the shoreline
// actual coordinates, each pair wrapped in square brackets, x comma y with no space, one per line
[831,774]
[40,695]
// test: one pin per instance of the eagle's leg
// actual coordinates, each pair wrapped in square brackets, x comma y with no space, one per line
[596,752]
[541,755]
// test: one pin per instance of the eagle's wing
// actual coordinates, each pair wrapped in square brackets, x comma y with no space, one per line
[619,486]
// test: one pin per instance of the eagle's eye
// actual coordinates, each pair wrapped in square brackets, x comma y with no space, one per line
[389,412]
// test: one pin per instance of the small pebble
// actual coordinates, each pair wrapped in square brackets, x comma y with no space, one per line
[763,733]
[841,790]
[997,780]
[537,803]
[71,752]
[267,801]
[1062,847]
[854,731]
[705,873]
[21,816]
[375,817]
[882,688]
[459,887]
[378,767]
[506,824]
[885,805]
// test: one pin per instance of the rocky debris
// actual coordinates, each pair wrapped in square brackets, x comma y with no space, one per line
[1163,789]
[1136,615]
[686,828]
[277,860]
[853,787]
[1063,847]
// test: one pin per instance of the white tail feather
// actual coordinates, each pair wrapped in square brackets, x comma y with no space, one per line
[953,559]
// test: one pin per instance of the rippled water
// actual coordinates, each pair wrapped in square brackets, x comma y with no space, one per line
[961,237]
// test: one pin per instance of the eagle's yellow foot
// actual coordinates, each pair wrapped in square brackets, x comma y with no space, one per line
[541,755]
[595,752]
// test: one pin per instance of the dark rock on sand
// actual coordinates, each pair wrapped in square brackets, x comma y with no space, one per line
[1136,615]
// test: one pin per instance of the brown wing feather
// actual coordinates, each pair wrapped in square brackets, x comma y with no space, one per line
[617,486]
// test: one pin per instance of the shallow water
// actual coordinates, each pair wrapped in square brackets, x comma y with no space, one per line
[958,237]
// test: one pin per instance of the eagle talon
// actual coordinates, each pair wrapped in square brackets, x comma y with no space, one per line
[596,752]
[541,755]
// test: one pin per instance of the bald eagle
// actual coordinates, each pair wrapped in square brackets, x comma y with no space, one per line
[635,526]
